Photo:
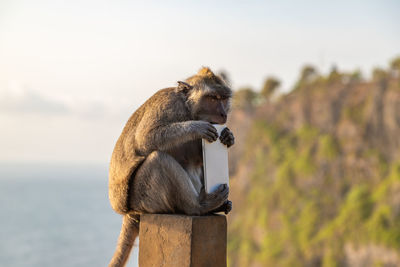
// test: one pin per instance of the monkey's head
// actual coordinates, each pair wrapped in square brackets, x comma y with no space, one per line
[208,96]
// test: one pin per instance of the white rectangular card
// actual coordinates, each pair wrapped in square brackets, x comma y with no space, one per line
[215,162]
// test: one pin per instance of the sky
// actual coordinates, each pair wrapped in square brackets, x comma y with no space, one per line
[72,72]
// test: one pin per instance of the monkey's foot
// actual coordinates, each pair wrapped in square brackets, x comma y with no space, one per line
[226,207]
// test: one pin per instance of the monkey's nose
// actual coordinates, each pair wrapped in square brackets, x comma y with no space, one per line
[224,116]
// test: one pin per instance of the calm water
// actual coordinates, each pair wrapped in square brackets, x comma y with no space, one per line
[56,216]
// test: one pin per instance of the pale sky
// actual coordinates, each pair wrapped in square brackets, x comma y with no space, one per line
[72,72]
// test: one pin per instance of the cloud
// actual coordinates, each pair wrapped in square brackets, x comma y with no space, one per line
[23,101]
[30,102]
[41,127]
[92,110]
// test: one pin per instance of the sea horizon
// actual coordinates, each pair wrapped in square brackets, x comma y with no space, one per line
[57,214]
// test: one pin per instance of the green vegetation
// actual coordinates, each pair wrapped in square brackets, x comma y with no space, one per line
[395,64]
[322,180]
[270,86]
[244,98]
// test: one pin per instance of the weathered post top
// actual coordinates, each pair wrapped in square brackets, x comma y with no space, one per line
[183,241]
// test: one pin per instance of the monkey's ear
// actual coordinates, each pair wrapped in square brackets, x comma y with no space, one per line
[183,87]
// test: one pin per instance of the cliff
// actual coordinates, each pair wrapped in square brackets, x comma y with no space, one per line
[316,173]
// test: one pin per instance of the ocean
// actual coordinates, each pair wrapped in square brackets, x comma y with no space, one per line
[57,215]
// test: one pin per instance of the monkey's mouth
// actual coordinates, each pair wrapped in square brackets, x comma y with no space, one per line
[218,121]
[214,119]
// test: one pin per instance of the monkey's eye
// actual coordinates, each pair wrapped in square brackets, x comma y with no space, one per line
[213,97]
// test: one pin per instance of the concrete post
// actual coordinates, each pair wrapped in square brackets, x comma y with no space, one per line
[182,241]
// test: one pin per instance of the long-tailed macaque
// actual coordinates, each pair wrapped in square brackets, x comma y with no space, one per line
[157,164]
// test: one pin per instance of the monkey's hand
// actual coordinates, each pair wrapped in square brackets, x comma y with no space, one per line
[227,137]
[204,129]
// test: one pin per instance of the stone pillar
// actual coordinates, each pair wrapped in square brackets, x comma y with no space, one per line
[182,241]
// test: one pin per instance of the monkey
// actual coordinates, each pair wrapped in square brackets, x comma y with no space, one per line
[157,166]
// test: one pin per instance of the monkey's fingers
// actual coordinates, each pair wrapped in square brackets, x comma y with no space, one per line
[222,188]
[212,130]
[223,191]
[210,137]
[224,134]
[220,194]
[225,131]
[230,141]
[210,133]
[228,206]
[227,139]
[224,137]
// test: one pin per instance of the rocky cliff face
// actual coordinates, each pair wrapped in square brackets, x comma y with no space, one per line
[316,174]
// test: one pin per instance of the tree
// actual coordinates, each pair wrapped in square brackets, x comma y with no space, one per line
[269,87]
[307,73]
[244,98]
[334,74]
[395,67]
[395,64]
[356,76]
[380,76]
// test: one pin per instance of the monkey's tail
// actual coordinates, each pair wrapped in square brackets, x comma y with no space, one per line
[127,236]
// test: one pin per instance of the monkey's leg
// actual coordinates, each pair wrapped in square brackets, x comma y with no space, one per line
[161,185]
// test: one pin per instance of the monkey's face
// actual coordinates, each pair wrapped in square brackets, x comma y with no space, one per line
[208,96]
[213,108]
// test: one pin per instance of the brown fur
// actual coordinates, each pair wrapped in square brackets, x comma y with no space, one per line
[169,105]
[130,150]
[157,166]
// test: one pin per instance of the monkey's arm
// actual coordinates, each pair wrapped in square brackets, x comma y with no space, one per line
[163,138]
